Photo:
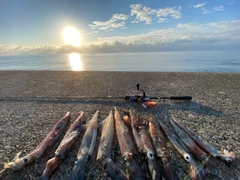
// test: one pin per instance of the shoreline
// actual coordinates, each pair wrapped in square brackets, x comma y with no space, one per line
[213,112]
[110,71]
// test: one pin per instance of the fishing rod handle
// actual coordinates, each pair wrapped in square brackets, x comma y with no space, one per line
[178,98]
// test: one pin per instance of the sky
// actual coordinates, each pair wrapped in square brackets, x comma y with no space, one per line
[37,27]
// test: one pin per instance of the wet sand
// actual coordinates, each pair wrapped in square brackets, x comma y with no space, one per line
[26,119]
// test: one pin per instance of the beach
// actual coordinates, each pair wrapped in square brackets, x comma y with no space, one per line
[28,111]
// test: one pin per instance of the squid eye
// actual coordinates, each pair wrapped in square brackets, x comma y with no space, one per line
[228,159]
[150,155]
[25,160]
[188,158]
[77,161]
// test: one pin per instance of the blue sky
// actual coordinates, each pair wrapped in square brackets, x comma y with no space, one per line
[33,26]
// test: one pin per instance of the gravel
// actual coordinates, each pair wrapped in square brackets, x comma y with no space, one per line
[212,114]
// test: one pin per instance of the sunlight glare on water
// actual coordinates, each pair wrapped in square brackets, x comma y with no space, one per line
[202,61]
[75,62]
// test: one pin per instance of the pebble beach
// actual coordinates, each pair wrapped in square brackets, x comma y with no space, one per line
[29,109]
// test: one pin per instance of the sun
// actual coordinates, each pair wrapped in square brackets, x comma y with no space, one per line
[72,36]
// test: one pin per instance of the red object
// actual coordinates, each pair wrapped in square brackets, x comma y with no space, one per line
[149,104]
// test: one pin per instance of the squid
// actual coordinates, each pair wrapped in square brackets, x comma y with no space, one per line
[196,172]
[63,149]
[105,147]
[161,149]
[127,147]
[19,163]
[225,155]
[193,147]
[144,144]
[86,149]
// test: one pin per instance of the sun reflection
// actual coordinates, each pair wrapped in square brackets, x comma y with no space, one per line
[75,62]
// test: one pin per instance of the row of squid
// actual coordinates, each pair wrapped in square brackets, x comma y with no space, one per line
[149,140]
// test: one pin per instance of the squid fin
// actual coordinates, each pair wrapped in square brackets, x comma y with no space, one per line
[17,156]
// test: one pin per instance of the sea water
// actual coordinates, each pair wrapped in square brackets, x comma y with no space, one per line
[196,61]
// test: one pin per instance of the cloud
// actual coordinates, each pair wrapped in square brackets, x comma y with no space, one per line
[199,5]
[212,35]
[231,3]
[218,8]
[142,13]
[202,8]
[12,49]
[223,35]
[161,20]
[206,11]
[120,17]
[117,21]
[88,33]
[146,14]
[168,12]
[193,27]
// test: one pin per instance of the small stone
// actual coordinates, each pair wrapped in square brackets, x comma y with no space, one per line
[221,92]
[7,147]
[191,115]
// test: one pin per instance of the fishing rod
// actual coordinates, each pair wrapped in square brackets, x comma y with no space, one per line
[132,98]
[143,97]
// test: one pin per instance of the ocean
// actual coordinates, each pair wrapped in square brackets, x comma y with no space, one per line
[196,61]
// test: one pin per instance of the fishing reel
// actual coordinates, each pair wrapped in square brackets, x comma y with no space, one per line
[137,98]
